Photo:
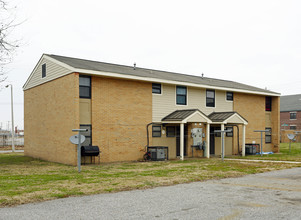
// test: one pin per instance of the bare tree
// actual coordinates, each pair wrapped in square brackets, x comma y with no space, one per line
[7,44]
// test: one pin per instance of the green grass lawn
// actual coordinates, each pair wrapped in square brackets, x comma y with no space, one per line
[285,154]
[24,179]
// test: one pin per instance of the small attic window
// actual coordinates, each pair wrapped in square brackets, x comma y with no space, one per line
[44,70]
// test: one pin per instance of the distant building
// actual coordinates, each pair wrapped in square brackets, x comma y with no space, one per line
[290,112]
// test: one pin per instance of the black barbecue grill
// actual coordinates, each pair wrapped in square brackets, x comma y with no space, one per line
[89,150]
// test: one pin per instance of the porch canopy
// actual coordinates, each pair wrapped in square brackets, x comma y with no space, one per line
[228,118]
[184,116]
[196,116]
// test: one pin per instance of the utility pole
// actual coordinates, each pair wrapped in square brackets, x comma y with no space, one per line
[12,118]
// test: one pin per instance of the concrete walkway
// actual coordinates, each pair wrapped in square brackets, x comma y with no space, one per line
[265,161]
[10,151]
[271,195]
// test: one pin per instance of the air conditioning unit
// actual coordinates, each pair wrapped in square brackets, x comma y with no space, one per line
[158,153]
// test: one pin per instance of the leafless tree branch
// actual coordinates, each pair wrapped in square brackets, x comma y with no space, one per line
[7,44]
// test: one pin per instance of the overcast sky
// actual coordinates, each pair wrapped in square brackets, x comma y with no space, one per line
[252,42]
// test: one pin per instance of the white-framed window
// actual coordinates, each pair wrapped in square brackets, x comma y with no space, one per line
[293,127]
[293,115]
[210,98]
[229,96]
[181,95]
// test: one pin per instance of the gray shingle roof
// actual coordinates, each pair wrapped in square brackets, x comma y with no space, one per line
[163,75]
[290,103]
[180,115]
[222,116]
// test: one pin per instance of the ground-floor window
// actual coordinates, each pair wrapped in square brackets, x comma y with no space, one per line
[156,132]
[293,127]
[268,135]
[229,134]
[170,131]
[87,134]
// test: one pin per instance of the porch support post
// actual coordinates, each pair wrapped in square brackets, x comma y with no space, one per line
[208,140]
[182,141]
[243,152]
[222,133]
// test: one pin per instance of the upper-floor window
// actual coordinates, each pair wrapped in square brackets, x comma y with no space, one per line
[229,96]
[210,98]
[268,135]
[156,88]
[293,115]
[44,70]
[181,95]
[268,103]
[85,87]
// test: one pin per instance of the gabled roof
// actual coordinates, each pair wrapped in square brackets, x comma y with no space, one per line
[128,72]
[290,103]
[227,117]
[183,116]
[195,115]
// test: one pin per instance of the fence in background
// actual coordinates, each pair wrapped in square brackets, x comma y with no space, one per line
[19,141]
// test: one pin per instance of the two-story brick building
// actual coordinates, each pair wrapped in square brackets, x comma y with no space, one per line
[290,115]
[117,102]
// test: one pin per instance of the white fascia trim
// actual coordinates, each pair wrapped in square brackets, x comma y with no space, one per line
[172,122]
[44,56]
[244,121]
[149,79]
[197,112]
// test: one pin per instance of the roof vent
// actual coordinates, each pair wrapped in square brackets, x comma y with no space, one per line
[202,75]
[134,66]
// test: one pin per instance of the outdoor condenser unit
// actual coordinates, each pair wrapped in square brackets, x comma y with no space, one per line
[158,153]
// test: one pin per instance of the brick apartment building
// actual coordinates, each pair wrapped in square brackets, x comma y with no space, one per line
[116,103]
[290,115]
[290,112]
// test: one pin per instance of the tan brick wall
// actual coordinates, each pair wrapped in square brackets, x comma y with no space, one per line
[252,108]
[121,110]
[275,118]
[51,111]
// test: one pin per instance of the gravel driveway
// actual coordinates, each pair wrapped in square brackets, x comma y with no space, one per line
[272,195]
